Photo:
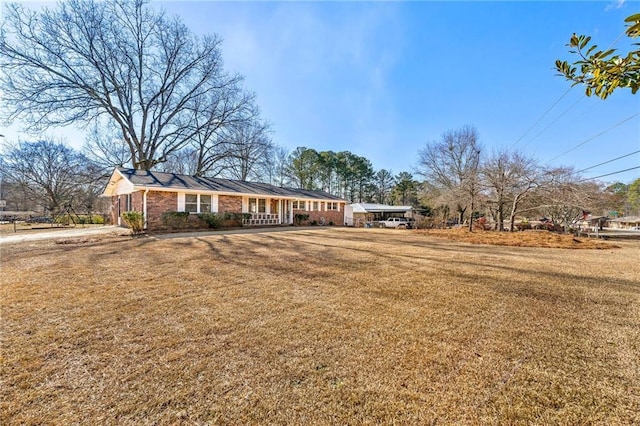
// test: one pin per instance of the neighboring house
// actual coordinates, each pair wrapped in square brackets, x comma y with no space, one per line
[359,214]
[626,222]
[154,193]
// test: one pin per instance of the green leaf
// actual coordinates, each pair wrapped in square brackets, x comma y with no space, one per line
[584,41]
[607,53]
[574,41]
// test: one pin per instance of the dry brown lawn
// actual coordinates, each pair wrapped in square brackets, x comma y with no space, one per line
[330,326]
[528,238]
[22,228]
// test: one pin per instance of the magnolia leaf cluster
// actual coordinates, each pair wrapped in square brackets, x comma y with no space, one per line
[603,71]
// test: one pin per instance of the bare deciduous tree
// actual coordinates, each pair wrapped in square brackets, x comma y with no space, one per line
[565,197]
[216,117]
[509,178]
[453,165]
[84,60]
[274,166]
[105,147]
[48,172]
[249,143]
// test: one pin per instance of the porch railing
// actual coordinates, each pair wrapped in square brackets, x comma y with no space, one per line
[262,219]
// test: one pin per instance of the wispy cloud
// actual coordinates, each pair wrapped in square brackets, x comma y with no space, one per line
[617,4]
[315,69]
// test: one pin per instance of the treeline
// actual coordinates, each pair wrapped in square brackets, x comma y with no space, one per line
[456,180]
[49,176]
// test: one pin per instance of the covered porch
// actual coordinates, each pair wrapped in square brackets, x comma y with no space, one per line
[267,211]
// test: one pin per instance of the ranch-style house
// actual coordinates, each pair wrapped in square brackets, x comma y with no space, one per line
[155,193]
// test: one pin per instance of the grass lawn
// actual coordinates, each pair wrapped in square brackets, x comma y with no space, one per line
[7,229]
[326,326]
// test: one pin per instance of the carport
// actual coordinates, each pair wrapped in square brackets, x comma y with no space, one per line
[358,214]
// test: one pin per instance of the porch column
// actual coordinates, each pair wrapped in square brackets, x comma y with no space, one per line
[144,207]
[281,207]
[290,212]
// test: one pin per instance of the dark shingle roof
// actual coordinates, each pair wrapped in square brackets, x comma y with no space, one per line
[152,179]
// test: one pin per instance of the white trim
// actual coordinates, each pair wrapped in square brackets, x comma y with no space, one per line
[144,207]
[290,213]
[181,202]
[214,203]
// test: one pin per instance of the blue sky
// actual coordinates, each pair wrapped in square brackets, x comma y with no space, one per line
[381,79]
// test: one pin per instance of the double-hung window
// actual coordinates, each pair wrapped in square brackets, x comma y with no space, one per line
[205,203]
[299,205]
[191,203]
[332,206]
[197,203]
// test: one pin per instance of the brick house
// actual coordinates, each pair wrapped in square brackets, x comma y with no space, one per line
[154,193]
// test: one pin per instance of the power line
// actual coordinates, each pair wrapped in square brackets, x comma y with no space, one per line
[542,116]
[554,121]
[593,137]
[554,104]
[609,161]
[609,174]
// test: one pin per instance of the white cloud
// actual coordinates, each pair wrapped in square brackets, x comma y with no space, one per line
[617,4]
[313,65]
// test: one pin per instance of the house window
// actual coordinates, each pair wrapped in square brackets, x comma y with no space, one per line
[191,203]
[257,205]
[315,206]
[332,206]
[198,203]
[129,204]
[299,205]
[205,203]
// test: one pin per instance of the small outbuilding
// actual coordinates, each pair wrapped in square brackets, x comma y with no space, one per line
[359,214]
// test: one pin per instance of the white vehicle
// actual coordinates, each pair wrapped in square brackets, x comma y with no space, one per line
[396,222]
